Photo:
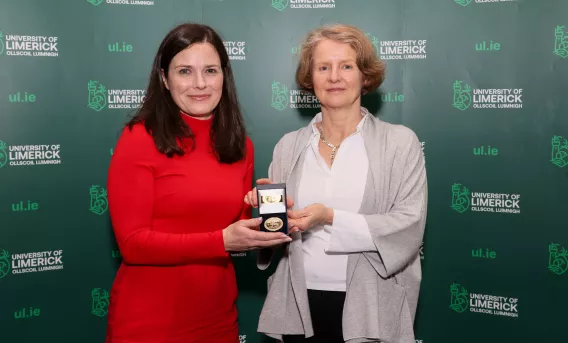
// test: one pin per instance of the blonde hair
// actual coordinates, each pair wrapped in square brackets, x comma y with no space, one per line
[370,65]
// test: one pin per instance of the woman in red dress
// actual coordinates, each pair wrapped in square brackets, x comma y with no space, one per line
[176,184]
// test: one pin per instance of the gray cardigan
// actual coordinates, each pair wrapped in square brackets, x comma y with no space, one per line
[382,285]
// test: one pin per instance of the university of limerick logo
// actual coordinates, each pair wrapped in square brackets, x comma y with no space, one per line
[280,4]
[463,2]
[4,263]
[3,154]
[279,96]
[97,95]
[561,42]
[559,151]
[460,198]
[95,2]
[1,43]
[100,302]
[459,296]
[557,259]
[99,201]
[374,41]
[462,95]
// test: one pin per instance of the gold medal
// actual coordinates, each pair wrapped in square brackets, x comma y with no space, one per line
[271,199]
[273,224]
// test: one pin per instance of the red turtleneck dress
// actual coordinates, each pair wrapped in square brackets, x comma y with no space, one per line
[176,283]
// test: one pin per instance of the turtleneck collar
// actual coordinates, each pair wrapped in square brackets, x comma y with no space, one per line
[195,124]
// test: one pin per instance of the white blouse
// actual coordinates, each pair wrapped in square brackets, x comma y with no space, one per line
[326,247]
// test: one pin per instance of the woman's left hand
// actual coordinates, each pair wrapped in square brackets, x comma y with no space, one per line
[310,216]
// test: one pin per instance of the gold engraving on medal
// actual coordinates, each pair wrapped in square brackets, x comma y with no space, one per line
[273,224]
[271,199]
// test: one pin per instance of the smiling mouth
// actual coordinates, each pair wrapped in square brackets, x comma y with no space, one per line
[200,97]
[334,90]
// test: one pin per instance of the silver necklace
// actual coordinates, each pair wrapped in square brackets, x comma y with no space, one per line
[333,147]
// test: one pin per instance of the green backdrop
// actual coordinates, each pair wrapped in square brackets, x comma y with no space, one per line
[482,83]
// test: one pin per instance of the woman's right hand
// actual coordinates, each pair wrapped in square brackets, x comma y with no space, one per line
[244,235]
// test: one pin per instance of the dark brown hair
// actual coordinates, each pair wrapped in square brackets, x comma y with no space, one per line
[371,66]
[161,116]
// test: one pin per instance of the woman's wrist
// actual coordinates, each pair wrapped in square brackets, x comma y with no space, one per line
[224,236]
[328,217]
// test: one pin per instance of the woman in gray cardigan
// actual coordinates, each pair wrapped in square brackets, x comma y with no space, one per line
[357,197]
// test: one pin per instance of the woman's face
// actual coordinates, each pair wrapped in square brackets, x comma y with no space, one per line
[336,78]
[195,80]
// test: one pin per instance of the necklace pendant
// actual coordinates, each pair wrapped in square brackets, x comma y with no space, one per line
[333,148]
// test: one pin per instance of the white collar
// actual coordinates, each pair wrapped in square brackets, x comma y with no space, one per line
[318,118]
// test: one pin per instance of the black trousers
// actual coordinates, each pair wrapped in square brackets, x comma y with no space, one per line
[326,309]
